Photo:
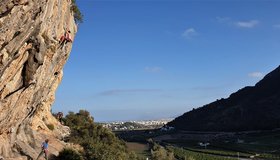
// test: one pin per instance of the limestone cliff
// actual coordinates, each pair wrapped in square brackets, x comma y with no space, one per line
[31,63]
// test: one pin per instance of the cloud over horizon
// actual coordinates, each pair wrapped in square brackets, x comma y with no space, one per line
[256,75]
[189,33]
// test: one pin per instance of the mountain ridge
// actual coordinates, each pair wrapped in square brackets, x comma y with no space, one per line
[250,108]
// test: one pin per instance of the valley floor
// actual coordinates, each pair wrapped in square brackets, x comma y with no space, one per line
[261,145]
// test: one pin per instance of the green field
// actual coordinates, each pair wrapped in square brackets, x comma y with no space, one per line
[183,154]
[267,147]
[262,145]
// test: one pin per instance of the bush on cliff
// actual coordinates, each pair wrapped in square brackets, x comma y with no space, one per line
[78,16]
[160,153]
[97,142]
[50,126]
[69,154]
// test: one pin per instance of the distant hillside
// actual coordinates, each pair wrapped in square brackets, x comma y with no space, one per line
[250,108]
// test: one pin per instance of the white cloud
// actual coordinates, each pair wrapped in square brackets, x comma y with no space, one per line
[153,69]
[247,24]
[223,19]
[189,33]
[276,26]
[240,24]
[256,75]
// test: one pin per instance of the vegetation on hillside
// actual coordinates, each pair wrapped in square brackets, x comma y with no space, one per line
[160,153]
[78,16]
[98,142]
[69,154]
[251,108]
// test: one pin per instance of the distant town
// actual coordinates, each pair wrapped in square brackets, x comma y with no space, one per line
[136,125]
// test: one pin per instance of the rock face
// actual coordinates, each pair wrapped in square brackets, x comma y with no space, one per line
[31,63]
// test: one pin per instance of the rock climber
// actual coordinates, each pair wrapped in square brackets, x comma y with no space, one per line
[45,146]
[65,38]
[60,116]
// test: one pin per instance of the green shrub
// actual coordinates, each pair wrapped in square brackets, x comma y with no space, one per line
[78,16]
[160,153]
[69,154]
[98,143]
[50,126]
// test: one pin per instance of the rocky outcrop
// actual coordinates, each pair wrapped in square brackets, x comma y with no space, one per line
[31,63]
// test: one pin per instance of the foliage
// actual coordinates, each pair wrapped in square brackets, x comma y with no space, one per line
[160,153]
[50,126]
[69,154]
[97,141]
[78,16]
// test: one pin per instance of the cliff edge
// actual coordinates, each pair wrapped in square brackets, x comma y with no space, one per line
[31,68]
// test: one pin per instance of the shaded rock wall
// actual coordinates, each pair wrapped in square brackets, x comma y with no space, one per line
[31,63]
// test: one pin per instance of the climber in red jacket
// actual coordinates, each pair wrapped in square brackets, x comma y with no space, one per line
[65,38]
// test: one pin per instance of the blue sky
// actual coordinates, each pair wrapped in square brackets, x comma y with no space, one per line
[158,59]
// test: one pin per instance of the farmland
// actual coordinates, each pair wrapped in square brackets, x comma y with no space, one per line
[185,145]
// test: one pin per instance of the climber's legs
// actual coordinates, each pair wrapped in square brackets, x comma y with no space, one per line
[41,153]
